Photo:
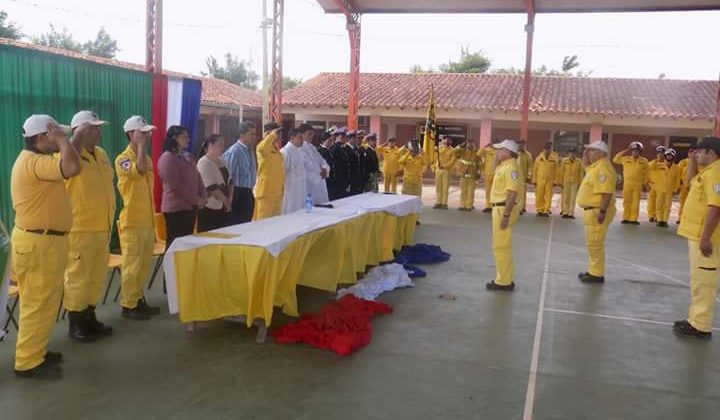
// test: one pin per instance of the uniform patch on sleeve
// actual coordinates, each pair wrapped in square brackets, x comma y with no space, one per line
[125,164]
[515,175]
[716,187]
[602,178]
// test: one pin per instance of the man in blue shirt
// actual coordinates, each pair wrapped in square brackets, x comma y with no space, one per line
[242,164]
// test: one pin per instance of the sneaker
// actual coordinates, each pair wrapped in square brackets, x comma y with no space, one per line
[572,216]
[662,224]
[589,278]
[685,329]
[44,370]
[625,222]
[636,223]
[136,314]
[538,214]
[504,288]
[147,309]
[437,206]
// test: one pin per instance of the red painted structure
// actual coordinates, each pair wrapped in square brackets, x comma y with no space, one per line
[277,78]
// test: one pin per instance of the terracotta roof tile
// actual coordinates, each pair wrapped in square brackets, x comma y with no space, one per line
[693,99]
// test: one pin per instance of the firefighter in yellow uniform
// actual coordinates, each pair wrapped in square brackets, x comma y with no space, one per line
[92,195]
[571,173]
[525,163]
[487,157]
[650,180]
[699,225]
[443,165]
[43,218]
[684,183]
[505,212]
[597,199]
[136,226]
[413,164]
[545,177]
[390,155]
[270,174]
[467,167]
[665,184]
[635,169]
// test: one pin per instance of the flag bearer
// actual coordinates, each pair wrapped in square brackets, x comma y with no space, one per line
[570,177]
[635,170]
[442,167]
[545,172]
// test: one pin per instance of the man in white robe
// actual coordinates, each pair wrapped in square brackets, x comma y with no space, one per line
[316,168]
[295,175]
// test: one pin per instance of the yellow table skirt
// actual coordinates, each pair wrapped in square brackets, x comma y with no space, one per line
[225,280]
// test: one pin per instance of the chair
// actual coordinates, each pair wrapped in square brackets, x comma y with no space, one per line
[12,294]
[159,248]
[114,263]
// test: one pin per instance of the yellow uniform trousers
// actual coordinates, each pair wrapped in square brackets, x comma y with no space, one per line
[268,206]
[703,286]
[569,194]
[595,239]
[522,197]
[39,263]
[442,186]
[390,182]
[137,250]
[543,195]
[631,201]
[683,196]
[651,203]
[663,202]
[412,187]
[502,245]
[86,269]
[467,192]
[488,188]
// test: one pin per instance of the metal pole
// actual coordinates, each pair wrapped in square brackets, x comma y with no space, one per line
[277,77]
[266,23]
[153,36]
[530,29]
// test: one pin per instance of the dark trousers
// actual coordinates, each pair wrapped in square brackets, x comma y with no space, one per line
[210,219]
[243,205]
[179,223]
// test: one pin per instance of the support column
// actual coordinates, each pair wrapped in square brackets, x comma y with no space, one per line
[353,28]
[716,132]
[529,29]
[277,77]
[596,131]
[392,130]
[376,124]
[216,123]
[485,132]
[153,37]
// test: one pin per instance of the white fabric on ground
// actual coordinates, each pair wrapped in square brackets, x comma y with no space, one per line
[377,281]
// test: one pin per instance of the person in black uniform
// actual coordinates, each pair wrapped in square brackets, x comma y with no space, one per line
[355,164]
[371,164]
[324,143]
[341,179]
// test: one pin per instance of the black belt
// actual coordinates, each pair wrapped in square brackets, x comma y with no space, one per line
[497,204]
[45,232]
[590,208]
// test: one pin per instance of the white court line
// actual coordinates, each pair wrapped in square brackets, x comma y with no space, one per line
[535,359]
[615,317]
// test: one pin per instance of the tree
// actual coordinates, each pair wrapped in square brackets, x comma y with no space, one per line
[235,71]
[58,39]
[289,82]
[416,68]
[476,62]
[8,29]
[569,63]
[103,45]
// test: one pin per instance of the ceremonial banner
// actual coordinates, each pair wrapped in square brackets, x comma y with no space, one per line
[429,146]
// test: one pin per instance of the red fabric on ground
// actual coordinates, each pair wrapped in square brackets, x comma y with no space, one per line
[342,326]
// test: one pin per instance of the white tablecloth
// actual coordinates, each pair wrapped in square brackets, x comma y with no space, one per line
[276,233]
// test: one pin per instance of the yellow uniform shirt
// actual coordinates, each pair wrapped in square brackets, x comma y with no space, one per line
[704,192]
[682,173]
[414,166]
[666,178]
[38,193]
[468,163]
[571,171]
[447,157]
[546,167]
[92,193]
[271,168]
[525,163]
[634,170]
[487,156]
[507,178]
[136,190]
[600,178]
[390,157]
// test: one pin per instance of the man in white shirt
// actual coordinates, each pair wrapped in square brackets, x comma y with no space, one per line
[295,174]
[316,168]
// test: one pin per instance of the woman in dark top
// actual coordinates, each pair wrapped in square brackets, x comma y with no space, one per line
[216,179]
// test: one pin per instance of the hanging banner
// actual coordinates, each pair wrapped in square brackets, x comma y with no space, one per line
[4,275]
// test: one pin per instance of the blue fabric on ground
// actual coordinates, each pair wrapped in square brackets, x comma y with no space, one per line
[421,254]
[414,272]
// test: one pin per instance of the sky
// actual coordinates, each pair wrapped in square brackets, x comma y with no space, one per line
[681,45]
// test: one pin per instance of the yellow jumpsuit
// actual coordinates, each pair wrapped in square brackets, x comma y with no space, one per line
[704,192]
[413,168]
[270,179]
[92,194]
[652,194]
[487,156]
[600,178]
[390,157]
[38,259]
[136,226]
[634,174]
[525,163]
[446,157]
[507,178]
[545,175]
[570,177]
[666,182]
[467,168]
[684,185]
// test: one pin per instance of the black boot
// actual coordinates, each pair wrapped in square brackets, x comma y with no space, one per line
[147,309]
[77,327]
[45,370]
[94,326]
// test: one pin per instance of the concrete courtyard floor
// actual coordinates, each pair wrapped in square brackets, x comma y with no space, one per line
[553,349]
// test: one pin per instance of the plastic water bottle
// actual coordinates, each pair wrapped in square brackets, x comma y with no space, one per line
[308,204]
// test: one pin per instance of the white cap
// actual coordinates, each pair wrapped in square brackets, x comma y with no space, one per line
[508,144]
[598,145]
[136,122]
[671,152]
[38,124]
[636,145]
[86,117]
